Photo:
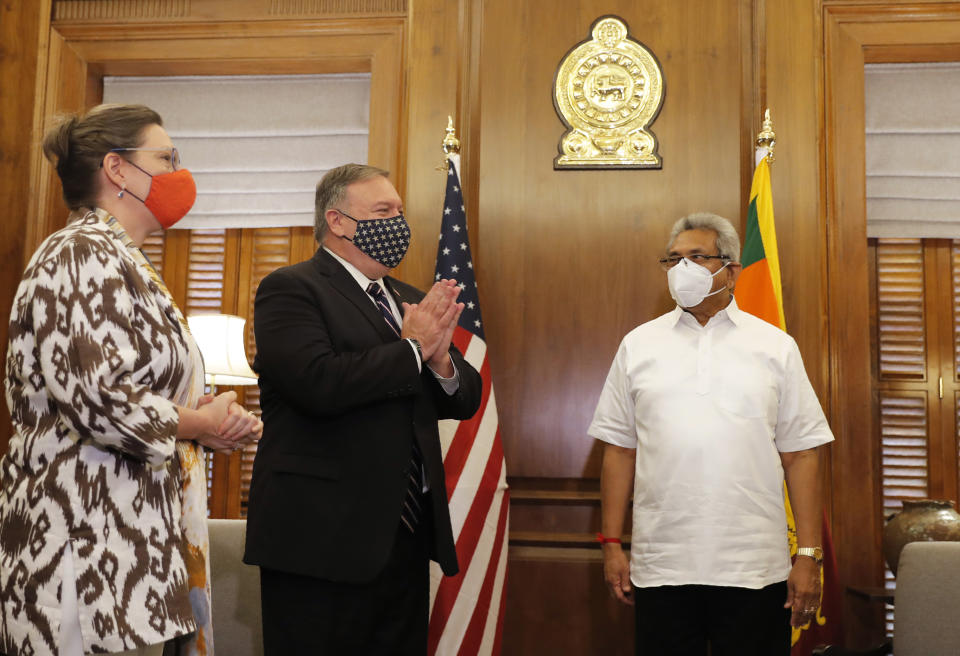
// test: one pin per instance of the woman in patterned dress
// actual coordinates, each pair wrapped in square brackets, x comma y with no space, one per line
[103,544]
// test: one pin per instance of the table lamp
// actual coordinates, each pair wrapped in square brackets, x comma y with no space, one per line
[220,338]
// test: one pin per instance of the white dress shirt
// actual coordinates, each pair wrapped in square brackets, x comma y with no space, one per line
[708,409]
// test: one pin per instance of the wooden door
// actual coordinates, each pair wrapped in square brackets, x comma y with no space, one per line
[915,292]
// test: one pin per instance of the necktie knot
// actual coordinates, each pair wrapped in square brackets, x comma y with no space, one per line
[376,291]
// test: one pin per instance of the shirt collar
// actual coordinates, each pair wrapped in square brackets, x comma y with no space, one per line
[114,225]
[731,312]
[361,279]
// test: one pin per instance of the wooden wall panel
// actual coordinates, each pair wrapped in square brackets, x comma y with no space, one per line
[569,257]
[23,29]
[430,96]
[205,10]
[442,80]
[792,91]
[567,609]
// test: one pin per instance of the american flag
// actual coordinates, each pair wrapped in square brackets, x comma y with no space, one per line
[466,610]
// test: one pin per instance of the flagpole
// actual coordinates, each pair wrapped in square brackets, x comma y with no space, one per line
[450,146]
[766,140]
[825,627]
[450,142]
[467,609]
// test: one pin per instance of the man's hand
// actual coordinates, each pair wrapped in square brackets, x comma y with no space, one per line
[616,573]
[431,321]
[803,590]
[440,363]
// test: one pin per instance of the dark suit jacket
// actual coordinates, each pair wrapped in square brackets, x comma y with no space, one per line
[342,401]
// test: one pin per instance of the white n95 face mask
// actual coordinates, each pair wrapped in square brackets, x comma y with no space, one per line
[690,283]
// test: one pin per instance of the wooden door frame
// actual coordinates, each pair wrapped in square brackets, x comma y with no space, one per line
[855,35]
[79,54]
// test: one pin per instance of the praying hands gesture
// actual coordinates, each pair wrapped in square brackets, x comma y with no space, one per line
[432,322]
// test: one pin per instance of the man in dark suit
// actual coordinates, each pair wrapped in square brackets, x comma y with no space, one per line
[348,502]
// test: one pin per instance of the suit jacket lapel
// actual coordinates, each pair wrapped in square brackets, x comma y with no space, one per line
[341,280]
[397,296]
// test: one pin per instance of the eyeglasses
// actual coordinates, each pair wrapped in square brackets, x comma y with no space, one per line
[697,258]
[173,155]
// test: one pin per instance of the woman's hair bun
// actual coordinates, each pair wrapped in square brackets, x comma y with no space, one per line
[56,142]
[77,144]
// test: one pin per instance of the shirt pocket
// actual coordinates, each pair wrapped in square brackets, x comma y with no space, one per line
[754,396]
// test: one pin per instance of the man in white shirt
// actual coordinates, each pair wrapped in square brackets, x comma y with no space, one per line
[705,412]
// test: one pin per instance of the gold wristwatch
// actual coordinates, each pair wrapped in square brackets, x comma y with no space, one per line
[813,552]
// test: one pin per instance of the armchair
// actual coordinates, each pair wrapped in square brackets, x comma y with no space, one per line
[927,621]
[235,586]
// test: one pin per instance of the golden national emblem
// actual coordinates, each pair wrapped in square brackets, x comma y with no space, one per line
[608,90]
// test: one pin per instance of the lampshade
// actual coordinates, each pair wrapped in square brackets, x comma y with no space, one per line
[220,338]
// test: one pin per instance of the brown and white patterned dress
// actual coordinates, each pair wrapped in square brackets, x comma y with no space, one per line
[99,357]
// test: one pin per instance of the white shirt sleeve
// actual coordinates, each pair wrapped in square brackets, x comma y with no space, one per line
[449,385]
[614,420]
[801,423]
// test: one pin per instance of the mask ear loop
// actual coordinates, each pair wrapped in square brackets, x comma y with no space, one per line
[713,276]
[123,187]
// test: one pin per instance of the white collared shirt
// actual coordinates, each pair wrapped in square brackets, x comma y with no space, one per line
[709,409]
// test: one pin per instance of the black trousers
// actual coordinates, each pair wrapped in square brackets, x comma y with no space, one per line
[683,620]
[385,617]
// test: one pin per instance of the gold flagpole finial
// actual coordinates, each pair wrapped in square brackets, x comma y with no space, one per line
[767,137]
[451,145]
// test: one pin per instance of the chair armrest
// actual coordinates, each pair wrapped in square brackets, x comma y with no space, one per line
[884,649]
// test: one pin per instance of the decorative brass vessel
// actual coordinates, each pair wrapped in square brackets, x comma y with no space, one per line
[922,520]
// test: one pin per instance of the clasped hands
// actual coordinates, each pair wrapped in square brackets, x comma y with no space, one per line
[432,322]
[232,426]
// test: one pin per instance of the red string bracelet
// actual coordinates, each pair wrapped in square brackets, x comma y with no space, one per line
[601,538]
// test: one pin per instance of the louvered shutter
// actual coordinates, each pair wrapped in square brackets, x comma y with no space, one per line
[907,357]
[900,311]
[153,249]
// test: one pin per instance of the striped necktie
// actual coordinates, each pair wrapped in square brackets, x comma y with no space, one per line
[376,291]
[411,512]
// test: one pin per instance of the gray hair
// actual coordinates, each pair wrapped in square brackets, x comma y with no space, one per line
[728,241]
[333,187]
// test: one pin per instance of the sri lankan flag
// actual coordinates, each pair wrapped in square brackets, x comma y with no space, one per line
[758,288]
[760,293]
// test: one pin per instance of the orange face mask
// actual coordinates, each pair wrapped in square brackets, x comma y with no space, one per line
[170,197]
